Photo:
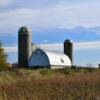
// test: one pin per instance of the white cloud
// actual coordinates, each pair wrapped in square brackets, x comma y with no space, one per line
[95,45]
[45,41]
[11,49]
[5,2]
[62,15]
[92,45]
[52,47]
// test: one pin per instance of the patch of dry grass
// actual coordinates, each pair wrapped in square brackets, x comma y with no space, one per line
[25,84]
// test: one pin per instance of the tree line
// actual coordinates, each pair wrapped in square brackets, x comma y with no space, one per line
[3,57]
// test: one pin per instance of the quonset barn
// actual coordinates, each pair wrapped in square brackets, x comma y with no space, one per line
[40,58]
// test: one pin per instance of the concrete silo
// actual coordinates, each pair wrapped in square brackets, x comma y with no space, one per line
[68,49]
[24,46]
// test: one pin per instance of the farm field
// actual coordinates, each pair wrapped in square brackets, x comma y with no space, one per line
[44,84]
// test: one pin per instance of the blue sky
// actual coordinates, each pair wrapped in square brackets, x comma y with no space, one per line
[53,21]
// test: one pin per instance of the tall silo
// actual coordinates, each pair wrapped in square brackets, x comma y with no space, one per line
[68,49]
[24,46]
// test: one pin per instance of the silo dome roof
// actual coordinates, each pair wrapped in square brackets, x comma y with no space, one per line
[67,41]
[24,30]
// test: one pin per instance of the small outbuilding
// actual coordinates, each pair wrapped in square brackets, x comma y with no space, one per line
[46,59]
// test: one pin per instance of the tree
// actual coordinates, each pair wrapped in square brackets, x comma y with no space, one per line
[3,57]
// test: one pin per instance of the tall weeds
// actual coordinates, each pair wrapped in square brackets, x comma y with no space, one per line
[39,85]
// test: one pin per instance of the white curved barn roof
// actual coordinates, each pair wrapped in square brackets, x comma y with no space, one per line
[58,58]
[46,58]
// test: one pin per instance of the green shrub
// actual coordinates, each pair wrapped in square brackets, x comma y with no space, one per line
[65,71]
[3,58]
[45,71]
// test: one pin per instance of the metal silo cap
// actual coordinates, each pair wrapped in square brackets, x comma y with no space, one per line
[24,30]
[68,41]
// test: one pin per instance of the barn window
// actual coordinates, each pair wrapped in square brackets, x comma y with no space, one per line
[36,54]
[62,60]
[41,53]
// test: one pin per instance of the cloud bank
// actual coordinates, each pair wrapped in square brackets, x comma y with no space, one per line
[95,45]
[62,15]
[5,2]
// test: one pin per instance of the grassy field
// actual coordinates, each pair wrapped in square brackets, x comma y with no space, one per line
[44,84]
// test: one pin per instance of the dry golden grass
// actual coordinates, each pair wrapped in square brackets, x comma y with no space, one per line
[43,84]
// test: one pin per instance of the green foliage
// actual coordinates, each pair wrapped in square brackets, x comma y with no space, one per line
[3,57]
[67,71]
[45,71]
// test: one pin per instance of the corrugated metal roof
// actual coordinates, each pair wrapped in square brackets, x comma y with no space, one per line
[56,58]
[24,31]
